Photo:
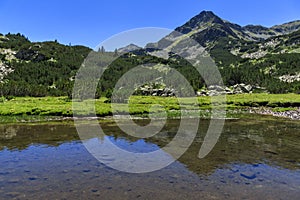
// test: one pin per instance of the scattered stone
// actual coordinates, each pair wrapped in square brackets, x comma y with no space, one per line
[32,178]
[202,93]
[242,88]
[215,90]
[255,55]
[248,176]
[13,194]
[155,89]
[223,181]
[271,152]
[292,114]
[14,180]
[234,170]
[290,78]
[255,165]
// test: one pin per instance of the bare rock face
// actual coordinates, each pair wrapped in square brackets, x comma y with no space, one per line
[29,54]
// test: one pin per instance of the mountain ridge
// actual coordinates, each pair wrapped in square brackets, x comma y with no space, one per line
[207,19]
[251,54]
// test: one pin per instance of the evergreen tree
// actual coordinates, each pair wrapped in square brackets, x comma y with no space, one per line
[102,49]
[116,53]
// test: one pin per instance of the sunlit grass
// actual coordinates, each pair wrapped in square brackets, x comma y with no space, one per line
[21,107]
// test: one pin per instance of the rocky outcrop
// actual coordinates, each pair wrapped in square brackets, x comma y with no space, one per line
[29,54]
[290,78]
[8,54]
[215,90]
[155,89]
[4,70]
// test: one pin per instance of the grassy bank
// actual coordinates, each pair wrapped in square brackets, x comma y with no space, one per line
[23,108]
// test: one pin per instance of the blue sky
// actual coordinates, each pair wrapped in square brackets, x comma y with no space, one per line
[90,22]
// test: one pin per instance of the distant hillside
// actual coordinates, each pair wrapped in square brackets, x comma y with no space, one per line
[253,54]
[37,68]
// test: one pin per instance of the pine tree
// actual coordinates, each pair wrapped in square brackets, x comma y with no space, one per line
[116,53]
[102,49]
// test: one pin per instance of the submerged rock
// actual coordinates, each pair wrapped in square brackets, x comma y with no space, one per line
[248,176]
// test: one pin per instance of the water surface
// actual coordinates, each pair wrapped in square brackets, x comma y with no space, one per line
[255,158]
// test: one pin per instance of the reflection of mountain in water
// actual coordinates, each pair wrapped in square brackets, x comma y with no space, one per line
[274,142]
[251,142]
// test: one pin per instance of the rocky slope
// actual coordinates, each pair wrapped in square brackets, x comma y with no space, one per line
[254,56]
[207,29]
[129,48]
[37,68]
[250,54]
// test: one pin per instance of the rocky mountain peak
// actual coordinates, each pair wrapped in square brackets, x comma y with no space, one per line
[207,27]
[204,18]
[129,48]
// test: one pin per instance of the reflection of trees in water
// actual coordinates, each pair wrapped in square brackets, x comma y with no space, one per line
[7,133]
[242,141]
[251,142]
[19,137]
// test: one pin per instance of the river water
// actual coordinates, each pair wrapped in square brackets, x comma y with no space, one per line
[255,158]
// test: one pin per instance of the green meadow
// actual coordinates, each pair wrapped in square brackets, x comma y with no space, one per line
[45,108]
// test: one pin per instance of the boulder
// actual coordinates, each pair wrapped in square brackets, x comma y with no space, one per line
[202,93]
[242,88]
[216,87]
[155,89]
[245,88]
